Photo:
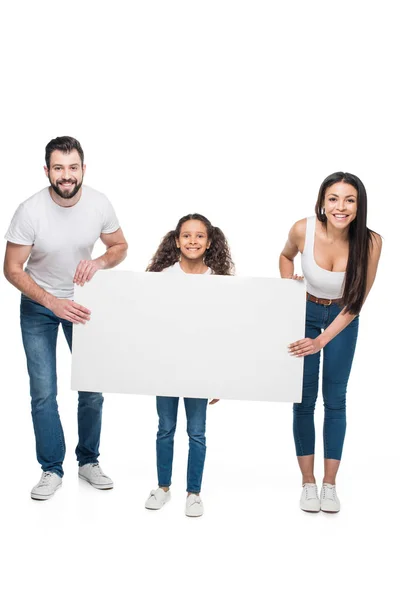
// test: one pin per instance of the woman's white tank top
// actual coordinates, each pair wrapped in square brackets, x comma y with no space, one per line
[320,282]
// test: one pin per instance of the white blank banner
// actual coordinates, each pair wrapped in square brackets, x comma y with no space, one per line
[190,336]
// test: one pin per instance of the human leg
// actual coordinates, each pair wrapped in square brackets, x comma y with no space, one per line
[90,406]
[303,413]
[337,362]
[39,328]
[167,409]
[196,410]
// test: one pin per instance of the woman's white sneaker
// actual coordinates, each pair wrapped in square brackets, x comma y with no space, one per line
[194,506]
[329,501]
[309,501]
[157,499]
[47,486]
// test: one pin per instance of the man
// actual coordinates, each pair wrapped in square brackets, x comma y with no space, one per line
[55,230]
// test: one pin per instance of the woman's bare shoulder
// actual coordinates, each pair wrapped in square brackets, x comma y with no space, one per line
[376,239]
[298,232]
[375,247]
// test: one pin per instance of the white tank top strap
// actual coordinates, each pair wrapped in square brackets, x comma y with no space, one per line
[309,239]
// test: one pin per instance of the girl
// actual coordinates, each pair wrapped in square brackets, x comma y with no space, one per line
[194,247]
[339,260]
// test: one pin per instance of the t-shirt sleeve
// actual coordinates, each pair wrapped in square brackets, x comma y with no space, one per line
[21,230]
[110,221]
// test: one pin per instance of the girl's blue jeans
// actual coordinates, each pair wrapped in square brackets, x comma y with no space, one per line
[167,408]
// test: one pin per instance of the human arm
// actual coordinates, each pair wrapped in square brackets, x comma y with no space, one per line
[292,247]
[14,260]
[308,346]
[116,252]
[214,401]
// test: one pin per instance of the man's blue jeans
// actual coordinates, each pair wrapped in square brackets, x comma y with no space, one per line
[196,409]
[337,361]
[39,334]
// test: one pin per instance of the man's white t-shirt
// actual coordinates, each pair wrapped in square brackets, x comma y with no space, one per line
[60,237]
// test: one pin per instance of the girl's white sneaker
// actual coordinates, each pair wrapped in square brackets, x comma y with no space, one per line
[194,506]
[157,499]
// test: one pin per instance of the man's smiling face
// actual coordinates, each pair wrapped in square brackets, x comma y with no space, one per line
[65,173]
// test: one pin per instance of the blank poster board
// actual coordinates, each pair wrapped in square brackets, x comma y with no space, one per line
[196,336]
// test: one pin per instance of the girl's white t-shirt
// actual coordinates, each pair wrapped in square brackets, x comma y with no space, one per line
[60,237]
[176,268]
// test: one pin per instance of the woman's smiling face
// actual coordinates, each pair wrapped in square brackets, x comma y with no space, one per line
[340,204]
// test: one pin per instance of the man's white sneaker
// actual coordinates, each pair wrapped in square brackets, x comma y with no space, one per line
[329,501]
[309,501]
[194,506]
[47,486]
[157,499]
[93,474]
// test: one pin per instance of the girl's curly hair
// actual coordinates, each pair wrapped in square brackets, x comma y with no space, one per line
[217,257]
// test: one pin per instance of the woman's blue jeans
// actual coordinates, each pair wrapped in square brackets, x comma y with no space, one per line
[196,409]
[337,360]
[39,334]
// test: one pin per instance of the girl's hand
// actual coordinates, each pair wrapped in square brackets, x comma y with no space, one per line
[297,277]
[214,401]
[305,347]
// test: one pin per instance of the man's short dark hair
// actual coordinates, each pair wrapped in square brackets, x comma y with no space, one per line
[65,144]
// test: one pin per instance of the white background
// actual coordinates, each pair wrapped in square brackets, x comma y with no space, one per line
[237,110]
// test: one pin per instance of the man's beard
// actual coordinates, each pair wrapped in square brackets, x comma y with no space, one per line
[66,194]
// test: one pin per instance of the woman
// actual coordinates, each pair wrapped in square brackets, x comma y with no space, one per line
[194,247]
[339,260]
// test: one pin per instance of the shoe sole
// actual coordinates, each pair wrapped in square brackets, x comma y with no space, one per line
[310,511]
[40,497]
[98,486]
[330,512]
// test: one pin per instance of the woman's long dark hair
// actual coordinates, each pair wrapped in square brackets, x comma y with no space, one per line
[360,241]
[217,257]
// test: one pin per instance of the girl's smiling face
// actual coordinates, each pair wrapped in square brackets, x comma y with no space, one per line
[193,240]
[340,204]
